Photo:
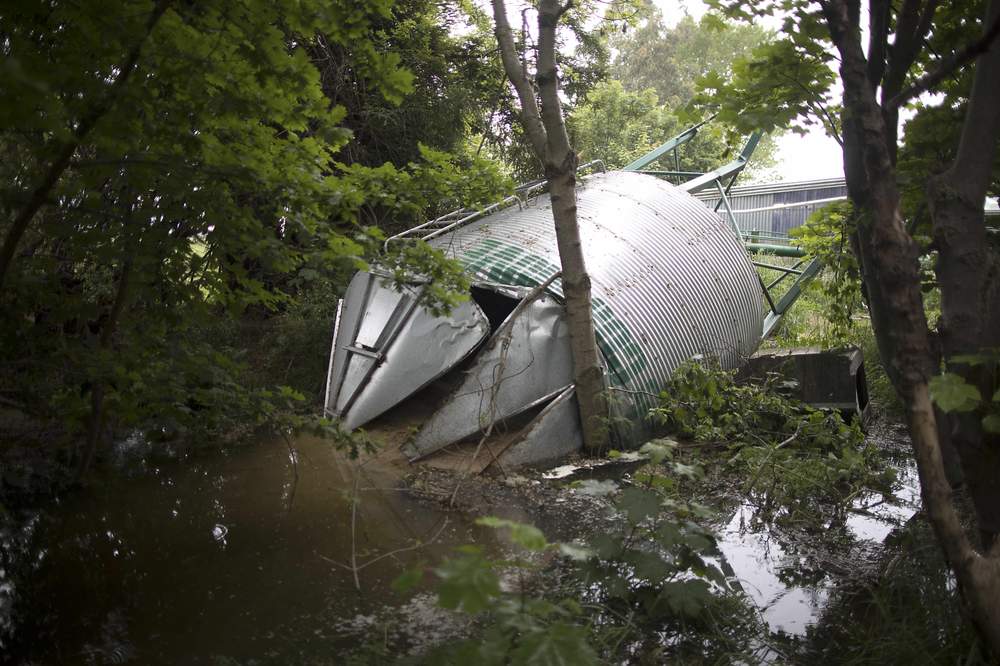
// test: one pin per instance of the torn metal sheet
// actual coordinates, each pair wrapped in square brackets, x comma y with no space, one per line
[387,347]
[526,361]
[552,435]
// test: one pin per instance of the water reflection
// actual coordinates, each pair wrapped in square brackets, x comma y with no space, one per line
[229,556]
[758,562]
[263,554]
[788,589]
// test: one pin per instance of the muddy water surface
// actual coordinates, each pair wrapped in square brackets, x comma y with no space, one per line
[231,556]
[243,557]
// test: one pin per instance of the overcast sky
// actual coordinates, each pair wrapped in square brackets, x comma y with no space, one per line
[814,155]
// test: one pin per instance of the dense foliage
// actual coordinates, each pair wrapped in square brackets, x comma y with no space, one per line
[650,585]
[795,460]
[659,57]
[181,169]
[653,81]
[647,588]
[190,185]
[618,126]
[927,182]
[194,185]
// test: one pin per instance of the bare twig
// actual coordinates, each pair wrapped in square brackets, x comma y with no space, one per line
[815,102]
[622,389]
[354,524]
[355,568]
[782,444]
[294,457]
[791,439]
[513,65]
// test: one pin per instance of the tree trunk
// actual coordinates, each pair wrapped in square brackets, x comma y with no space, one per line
[98,415]
[546,131]
[967,275]
[587,373]
[95,430]
[978,574]
[889,260]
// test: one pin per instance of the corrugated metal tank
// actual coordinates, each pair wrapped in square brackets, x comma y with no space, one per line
[670,279]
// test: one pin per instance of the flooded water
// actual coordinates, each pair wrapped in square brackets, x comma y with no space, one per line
[230,557]
[245,557]
[787,584]
[790,585]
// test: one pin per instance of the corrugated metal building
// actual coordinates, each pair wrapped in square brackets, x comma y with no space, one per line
[668,280]
[762,208]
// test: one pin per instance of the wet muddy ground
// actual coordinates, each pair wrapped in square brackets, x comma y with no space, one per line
[249,556]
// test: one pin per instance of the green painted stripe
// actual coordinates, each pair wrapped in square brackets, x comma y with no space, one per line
[505,263]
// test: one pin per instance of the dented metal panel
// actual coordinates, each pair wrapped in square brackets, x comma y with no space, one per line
[669,278]
[553,434]
[527,361]
[387,347]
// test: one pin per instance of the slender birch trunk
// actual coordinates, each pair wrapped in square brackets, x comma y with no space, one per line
[546,130]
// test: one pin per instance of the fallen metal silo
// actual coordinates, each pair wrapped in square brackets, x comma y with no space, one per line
[670,280]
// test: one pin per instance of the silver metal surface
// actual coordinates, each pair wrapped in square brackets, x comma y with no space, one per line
[526,361]
[456,219]
[670,280]
[387,348]
[333,353]
[552,435]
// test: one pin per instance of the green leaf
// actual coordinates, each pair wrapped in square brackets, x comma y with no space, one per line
[560,644]
[991,423]
[668,535]
[697,538]
[650,566]
[951,393]
[606,546]
[687,597]
[638,503]
[309,274]
[408,580]
[526,536]
[489,649]
[467,583]
[658,450]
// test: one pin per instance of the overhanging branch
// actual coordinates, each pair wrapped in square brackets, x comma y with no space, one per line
[948,66]
[65,153]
